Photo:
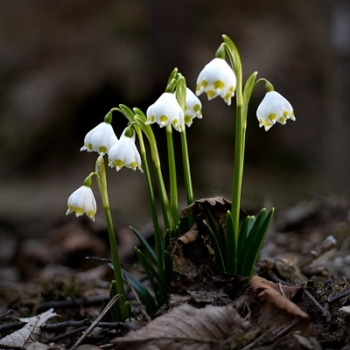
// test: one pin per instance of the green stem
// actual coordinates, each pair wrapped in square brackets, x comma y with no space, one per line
[181,98]
[102,185]
[157,233]
[240,132]
[168,220]
[186,165]
[172,174]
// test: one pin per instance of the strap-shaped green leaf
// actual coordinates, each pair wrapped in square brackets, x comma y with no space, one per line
[145,245]
[150,272]
[115,309]
[255,241]
[144,295]
[242,239]
[219,231]
[215,244]
[231,245]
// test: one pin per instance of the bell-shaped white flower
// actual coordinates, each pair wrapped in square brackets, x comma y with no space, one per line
[166,110]
[274,108]
[100,139]
[217,78]
[82,201]
[124,153]
[193,107]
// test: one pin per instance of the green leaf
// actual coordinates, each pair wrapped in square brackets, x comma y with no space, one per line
[145,245]
[115,310]
[144,295]
[140,113]
[254,242]
[172,75]
[129,114]
[126,311]
[242,238]
[150,272]
[248,90]
[231,245]
[216,247]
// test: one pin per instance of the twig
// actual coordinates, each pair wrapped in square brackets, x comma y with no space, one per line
[13,326]
[308,257]
[272,335]
[93,325]
[53,327]
[325,312]
[67,334]
[338,296]
[8,312]
[65,304]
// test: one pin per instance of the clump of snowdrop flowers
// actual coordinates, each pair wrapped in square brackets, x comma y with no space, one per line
[193,107]
[166,110]
[100,139]
[274,108]
[82,201]
[240,241]
[124,153]
[217,79]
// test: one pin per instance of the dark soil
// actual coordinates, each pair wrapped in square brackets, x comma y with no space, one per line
[307,249]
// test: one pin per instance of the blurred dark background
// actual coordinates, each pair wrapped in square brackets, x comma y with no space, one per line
[64,64]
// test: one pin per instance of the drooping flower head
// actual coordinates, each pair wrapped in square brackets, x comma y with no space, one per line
[217,78]
[274,108]
[193,107]
[100,139]
[82,201]
[166,110]
[124,153]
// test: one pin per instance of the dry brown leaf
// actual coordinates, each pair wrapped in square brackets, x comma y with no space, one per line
[30,333]
[276,309]
[192,254]
[185,326]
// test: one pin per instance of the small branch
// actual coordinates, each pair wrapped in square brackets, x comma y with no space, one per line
[308,257]
[8,312]
[93,325]
[325,312]
[338,296]
[53,327]
[65,304]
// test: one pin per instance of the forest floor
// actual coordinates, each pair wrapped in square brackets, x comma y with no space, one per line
[51,297]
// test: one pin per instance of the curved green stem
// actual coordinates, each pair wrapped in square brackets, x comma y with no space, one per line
[102,185]
[157,234]
[234,57]
[168,219]
[181,98]
[186,165]
[172,174]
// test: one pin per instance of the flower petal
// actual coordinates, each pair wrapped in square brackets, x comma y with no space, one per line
[124,153]
[217,79]
[100,139]
[82,201]
[166,110]
[274,108]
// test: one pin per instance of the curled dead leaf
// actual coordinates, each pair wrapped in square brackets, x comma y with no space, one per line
[185,326]
[30,333]
[192,254]
[276,309]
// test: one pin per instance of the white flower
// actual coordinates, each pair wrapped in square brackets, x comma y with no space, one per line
[82,201]
[193,107]
[124,153]
[166,110]
[100,139]
[274,108]
[217,78]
